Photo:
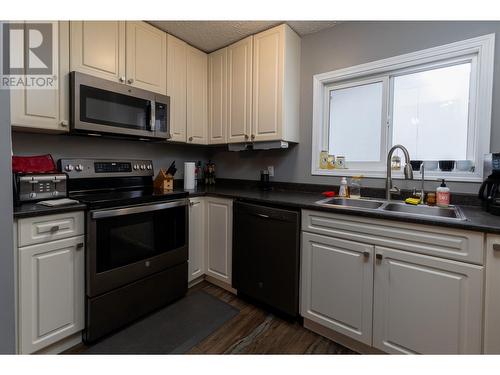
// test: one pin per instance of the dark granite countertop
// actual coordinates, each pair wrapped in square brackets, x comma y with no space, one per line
[33,209]
[477,218]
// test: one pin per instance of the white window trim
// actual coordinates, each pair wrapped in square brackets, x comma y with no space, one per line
[483,47]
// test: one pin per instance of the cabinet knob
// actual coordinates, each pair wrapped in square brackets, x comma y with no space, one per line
[55,228]
[130,81]
[121,79]
[190,139]
[246,136]
[79,245]
[379,256]
[253,137]
[366,254]
[64,123]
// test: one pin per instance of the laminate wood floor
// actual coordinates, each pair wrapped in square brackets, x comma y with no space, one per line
[255,331]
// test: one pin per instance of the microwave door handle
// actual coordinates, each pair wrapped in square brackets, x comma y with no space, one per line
[152,116]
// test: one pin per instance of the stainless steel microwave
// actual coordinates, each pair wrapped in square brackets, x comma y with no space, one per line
[99,106]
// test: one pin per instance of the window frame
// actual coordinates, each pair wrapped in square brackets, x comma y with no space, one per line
[479,51]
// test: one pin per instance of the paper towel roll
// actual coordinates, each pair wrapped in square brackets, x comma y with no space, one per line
[189,172]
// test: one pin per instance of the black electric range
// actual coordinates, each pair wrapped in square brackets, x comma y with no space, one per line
[136,241]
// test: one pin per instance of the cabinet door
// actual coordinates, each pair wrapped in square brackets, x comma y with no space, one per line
[239,90]
[268,51]
[197,102]
[196,238]
[51,292]
[176,87]
[337,285]
[217,91]
[98,48]
[146,62]
[45,109]
[424,304]
[492,296]
[219,238]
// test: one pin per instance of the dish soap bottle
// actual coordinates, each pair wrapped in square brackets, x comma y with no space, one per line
[344,188]
[443,195]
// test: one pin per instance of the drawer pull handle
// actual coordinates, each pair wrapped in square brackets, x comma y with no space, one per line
[379,256]
[55,228]
[79,245]
[496,246]
[366,254]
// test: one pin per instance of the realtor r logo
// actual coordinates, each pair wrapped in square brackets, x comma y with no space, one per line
[27,49]
[29,56]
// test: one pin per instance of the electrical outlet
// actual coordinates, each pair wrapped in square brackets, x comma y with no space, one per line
[270,169]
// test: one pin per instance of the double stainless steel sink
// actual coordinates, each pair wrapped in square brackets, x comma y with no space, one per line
[396,208]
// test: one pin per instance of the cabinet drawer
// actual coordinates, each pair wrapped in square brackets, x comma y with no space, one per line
[457,244]
[40,229]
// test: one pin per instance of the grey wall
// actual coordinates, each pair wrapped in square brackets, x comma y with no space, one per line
[7,267]
[345,45]
[69,146]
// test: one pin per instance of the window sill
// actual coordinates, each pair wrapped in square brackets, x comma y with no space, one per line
[429,175]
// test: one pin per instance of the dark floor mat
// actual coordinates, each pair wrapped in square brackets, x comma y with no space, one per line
[172,330]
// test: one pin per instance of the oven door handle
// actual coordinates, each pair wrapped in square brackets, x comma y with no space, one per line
[138,209]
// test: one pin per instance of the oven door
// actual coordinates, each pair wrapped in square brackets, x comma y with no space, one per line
[127,244]
[101,106]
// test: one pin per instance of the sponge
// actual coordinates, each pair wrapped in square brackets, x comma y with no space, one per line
[413,201]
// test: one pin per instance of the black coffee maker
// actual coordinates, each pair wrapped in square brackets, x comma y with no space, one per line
[489,191]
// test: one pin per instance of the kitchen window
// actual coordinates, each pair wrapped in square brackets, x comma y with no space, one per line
[436,102]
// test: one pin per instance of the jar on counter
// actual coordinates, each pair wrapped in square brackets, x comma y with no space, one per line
[431,199]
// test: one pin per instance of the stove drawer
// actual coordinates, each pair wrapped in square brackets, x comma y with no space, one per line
[47,228]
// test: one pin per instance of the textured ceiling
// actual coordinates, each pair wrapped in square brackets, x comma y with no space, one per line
[211,35]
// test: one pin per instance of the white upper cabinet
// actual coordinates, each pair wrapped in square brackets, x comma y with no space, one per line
[426,305]
[217,97]
[146,62]
[197,82]
[46,109]
[239,91]
[130,52]
[98,48]
[176,87]
[276,84]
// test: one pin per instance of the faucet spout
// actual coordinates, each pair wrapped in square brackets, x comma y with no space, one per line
[408,171]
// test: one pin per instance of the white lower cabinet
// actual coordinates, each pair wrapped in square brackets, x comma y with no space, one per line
[337,285]
[197,239]
[51,292]
[492,296]
[219,238]
[427,305]
[359,279]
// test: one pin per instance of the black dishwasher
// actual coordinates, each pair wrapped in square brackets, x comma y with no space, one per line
[266,248]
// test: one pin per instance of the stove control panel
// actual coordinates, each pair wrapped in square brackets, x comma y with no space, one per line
[95,168]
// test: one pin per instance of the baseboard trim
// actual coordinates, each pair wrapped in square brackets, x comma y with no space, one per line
[340,338]
[62,345]
[216,282]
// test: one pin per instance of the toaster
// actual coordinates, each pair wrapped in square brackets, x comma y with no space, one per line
[33,187]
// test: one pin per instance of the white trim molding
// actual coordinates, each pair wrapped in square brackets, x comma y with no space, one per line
[482,48]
